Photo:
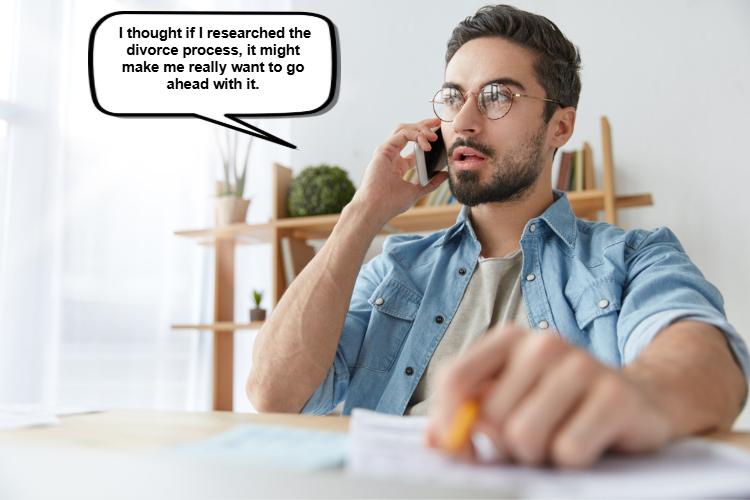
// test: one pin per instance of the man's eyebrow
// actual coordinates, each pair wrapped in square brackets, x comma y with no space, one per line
[503,81]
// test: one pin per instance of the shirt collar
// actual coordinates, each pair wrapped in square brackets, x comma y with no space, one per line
[559,217]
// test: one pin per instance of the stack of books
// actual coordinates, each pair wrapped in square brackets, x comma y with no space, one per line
[576,172]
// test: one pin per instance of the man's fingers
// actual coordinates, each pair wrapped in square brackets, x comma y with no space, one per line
[534,355]
[593,426]
[468,376]
[531,425]
[420,132]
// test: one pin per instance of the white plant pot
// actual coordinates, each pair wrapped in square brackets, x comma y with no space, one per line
[230,210]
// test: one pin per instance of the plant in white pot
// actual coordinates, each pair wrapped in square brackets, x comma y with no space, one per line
[257,314]
[231,206]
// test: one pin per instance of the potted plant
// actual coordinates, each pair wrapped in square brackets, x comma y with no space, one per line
[231,207]
[319,189]
[257,314]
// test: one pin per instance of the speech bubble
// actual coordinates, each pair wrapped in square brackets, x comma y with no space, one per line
[216,66]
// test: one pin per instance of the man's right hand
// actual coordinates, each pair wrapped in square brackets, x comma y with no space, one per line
[383,192]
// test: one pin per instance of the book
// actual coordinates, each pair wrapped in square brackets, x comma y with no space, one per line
[579,172]
[588,167]
[572,178]
[563,177]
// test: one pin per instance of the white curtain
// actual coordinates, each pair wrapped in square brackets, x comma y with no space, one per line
[91,274]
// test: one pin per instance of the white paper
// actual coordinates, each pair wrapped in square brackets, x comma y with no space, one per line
[18,417]
[392,446]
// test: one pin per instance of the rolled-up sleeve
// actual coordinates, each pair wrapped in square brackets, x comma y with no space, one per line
[334,387]
[664,286]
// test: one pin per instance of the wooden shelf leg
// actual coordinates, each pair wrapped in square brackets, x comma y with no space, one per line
[223,341]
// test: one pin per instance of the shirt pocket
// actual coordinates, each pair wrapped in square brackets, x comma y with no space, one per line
[394,307]
[599,299]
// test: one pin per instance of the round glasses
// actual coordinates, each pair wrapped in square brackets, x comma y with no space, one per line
[494,101]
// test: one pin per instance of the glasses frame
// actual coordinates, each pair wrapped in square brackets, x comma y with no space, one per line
[465,95]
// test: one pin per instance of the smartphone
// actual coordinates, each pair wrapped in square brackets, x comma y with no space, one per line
[431,162]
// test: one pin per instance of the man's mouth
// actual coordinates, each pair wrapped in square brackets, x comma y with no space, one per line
[466,158]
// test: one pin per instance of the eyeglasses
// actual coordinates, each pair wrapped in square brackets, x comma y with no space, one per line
[494,101]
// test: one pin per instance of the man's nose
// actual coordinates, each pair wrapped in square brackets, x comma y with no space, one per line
[469,119]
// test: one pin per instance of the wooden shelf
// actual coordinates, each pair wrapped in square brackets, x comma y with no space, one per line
[239,233]
[221,327]
[413,220]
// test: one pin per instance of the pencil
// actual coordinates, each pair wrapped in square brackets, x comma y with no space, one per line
[463,421]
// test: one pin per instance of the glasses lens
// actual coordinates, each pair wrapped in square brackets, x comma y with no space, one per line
[447,103]
[495,100]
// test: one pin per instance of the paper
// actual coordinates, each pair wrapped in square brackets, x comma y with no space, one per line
[391,446]
[272,447]
[18,416]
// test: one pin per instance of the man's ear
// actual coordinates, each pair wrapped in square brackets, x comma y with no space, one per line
[561,126]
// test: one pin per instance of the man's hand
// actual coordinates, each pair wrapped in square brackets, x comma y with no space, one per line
[545,401]
[383,190]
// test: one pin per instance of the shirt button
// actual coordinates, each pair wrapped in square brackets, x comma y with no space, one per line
[532,228]
[409,371]
[543,325]
[439,319]
[379,301]
[462,271]
[530,277]
[603,304]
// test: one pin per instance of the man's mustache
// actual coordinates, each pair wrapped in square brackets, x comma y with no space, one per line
[487,151]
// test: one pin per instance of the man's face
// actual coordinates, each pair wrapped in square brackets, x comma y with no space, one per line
[509,151]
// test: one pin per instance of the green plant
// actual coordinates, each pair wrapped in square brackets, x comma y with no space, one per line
[257,297]
[230,160]
[318,190]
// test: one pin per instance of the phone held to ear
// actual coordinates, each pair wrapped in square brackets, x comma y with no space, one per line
[431,162]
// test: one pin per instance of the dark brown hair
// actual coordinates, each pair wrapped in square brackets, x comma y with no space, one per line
[558,61]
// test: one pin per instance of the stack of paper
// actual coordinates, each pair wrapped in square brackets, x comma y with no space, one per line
[391,446]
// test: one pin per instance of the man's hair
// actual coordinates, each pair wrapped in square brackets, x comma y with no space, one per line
[557,59]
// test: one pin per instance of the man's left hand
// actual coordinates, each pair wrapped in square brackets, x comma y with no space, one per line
[544,400]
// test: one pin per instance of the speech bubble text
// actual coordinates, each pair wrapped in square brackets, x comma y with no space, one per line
[217,66]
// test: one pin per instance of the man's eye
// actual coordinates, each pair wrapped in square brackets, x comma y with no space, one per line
[495,95]
[453,99]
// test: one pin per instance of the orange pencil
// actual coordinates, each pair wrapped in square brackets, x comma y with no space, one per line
[463,422]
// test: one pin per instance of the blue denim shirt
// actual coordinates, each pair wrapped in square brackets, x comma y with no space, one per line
[604,289]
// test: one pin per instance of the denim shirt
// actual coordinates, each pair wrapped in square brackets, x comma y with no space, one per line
[603,289]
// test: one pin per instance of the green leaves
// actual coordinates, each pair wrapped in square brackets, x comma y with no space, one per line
[318,190]
[257,297]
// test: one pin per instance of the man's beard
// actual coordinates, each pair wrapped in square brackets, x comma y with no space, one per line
[512,176]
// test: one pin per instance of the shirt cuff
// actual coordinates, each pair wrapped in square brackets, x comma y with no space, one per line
[325,398]
[647,329]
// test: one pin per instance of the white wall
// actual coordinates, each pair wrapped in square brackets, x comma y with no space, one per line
[671,76]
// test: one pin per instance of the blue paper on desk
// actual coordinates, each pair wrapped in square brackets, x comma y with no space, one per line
[272,447]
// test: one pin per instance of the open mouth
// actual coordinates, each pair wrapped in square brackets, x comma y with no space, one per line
[466,158]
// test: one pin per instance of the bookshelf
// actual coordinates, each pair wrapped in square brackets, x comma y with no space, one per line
[588,203]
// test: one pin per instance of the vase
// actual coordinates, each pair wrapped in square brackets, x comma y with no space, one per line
[257,314]
[230,210]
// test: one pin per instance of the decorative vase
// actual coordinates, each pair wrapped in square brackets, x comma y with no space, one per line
[230,210]
[257,314]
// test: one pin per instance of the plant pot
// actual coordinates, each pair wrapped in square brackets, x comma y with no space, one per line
[257,314]
[230,210]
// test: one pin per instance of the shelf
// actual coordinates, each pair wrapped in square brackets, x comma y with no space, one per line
[417,219]
[240,233]
[221,327]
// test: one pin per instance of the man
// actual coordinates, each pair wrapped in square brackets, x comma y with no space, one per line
[576,337]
